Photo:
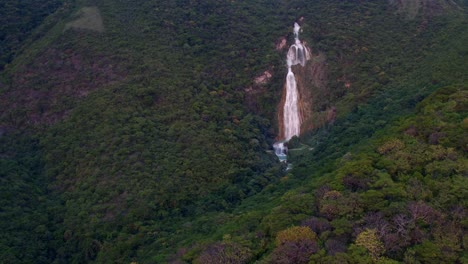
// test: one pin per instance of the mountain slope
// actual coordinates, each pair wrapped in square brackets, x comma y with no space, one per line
[18,21]
[152,130]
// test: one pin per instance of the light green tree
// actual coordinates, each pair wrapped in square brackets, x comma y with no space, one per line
[369,240]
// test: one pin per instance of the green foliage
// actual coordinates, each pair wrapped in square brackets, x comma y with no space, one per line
[402,211]
[25,230]
[294,234]
[224,253]
[145,149]
[369,240]
[17,21]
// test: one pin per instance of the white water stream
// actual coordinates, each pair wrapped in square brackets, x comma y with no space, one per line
[297,54]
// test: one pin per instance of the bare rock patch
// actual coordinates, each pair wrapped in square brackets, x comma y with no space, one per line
[89,18]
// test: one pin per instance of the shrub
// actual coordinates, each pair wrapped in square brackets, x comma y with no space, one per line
[295,234]
[369,240]
[225,252]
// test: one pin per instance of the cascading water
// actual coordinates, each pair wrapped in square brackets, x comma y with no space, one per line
[291,119]
[297,54]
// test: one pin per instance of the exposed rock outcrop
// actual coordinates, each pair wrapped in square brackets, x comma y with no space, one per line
[257,89]
[89,18]
[263,78]
[281,44]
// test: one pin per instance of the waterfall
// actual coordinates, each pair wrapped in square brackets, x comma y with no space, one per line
[281,151]
[297,55]
[291,119]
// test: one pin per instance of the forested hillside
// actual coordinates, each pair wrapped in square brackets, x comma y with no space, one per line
[141,132]
[18,19]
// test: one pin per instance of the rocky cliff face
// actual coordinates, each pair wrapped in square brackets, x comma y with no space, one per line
[312,86]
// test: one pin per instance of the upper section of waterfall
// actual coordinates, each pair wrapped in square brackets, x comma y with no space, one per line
[297,53]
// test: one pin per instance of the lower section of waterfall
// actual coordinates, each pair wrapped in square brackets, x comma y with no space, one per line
[281,151]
